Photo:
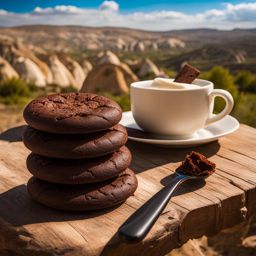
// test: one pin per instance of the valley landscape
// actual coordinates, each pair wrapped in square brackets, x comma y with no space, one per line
[106,60]
[40,59]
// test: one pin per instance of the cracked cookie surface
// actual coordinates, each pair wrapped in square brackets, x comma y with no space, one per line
[79,171]
[76,146]
[84,197]
[72,113]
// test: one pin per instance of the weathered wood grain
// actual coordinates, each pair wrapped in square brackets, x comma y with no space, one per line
[198,208]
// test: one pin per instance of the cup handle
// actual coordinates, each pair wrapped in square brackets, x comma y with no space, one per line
[228,107]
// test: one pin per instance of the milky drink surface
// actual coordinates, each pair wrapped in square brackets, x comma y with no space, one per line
[169,84]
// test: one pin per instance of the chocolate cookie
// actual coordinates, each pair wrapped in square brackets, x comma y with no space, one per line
[72,113]
[83,197]
[79,171]
[76,146]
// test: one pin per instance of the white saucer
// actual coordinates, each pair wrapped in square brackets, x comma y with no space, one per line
[211,133]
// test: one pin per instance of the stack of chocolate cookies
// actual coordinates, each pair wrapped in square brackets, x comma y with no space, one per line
[78,160]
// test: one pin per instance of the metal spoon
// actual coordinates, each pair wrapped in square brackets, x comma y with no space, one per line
[136,227]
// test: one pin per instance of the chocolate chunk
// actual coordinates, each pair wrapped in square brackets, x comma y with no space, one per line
[187,74]
[196,164]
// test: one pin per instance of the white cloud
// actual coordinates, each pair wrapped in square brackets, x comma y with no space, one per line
[109,5]
[241,12]
[59,9]
[3,12]
[241,15]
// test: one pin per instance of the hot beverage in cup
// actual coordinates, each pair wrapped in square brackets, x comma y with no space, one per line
[168,108]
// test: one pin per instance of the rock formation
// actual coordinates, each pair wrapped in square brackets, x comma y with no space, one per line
[240,56]
[60,74]
[110,78]
[153,46]
[145,68]
[68,39]
[77,72]
[130,77]
[120,44]
[25,52]
[87,67]
[45,70]
[11,50]
[116,44]
[139,47]
[170,43]
[6,70]
[108,57]
[207,56]
[29,71]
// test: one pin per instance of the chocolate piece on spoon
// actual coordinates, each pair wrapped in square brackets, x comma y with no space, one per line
[196,164]
[187,74]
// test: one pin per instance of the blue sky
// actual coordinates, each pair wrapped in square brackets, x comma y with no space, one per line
[186,6]
[143,14]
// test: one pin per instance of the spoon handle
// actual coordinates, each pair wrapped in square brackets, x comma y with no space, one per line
[136,227]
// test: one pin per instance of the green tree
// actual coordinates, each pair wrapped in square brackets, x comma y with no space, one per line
[244,79]
[252,85]
[245,110]
[222,79]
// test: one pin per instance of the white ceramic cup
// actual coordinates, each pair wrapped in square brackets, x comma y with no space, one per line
[176,112]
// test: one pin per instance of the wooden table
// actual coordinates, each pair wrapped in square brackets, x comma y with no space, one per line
[226,199]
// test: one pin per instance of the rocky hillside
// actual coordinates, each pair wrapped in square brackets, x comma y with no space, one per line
[63,55]
[208,56]
[39,67]
[69,38]
[36,66]
[75,38]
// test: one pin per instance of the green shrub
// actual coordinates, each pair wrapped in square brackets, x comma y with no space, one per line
[68,89]
[244,79]
[222,79]
[245,110]
[169,72]
[122,99]
[252,85]
[33,88]
[14,100]
[149,76]
[13,88]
